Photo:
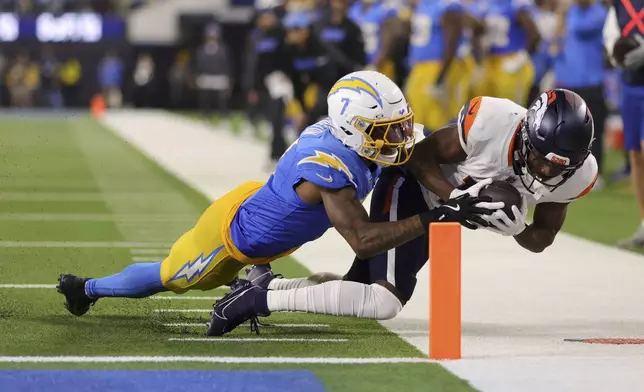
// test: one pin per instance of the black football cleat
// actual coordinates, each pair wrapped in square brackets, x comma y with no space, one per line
[73,288]
[261,275]
[246,302]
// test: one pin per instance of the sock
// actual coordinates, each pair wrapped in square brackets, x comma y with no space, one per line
[288,284]
[135,281]
[642,223]
[337,298]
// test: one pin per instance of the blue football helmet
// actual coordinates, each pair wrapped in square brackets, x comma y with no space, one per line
[554,140]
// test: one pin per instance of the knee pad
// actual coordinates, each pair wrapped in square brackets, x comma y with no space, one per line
[386,302]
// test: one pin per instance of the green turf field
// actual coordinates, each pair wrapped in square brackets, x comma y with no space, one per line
[75,198]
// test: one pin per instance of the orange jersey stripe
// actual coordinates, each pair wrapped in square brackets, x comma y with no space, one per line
[471,110]
[589,187]
[511,149]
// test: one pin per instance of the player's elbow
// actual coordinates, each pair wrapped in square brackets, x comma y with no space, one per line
[361,249]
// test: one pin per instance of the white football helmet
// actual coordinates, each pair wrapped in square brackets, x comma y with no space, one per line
[372,117]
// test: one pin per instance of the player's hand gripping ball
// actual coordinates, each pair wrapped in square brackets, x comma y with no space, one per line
[510,220]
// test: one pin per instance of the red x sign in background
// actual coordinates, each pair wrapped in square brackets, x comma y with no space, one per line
[636,18]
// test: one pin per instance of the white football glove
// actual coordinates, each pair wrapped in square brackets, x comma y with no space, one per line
[635,57]
[501,223]
[472,191]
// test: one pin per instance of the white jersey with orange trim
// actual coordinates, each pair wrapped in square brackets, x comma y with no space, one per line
[487,127]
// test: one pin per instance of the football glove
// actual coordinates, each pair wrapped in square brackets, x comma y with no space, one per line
[499,222]
[635,58]
[464,209]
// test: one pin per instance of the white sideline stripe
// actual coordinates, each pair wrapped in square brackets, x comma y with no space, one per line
[78,244]
[27,286]
[265,326]
[15,216]
[181,297]
[210,359]
[161,251]
[216,340]
[183,310]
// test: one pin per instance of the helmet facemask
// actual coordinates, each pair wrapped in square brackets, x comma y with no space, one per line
[527,155]
[387,142]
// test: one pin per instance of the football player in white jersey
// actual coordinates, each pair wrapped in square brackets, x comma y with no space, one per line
[544,151]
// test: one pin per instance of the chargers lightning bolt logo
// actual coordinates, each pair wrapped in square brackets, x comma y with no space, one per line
[356,84]
[197,267]
[328,160]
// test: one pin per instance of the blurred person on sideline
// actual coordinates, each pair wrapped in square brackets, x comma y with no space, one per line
[144,78]
[110,78]
[308,64]
[23,79]
[50,94]
[342,38]
[179,79]
[380,27]
[579,64]
[213,71]
[547,21]
[628,53]
[71,73]
[265,58]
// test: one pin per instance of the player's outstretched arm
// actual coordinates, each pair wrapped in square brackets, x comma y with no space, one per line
[442,146]
[548,219]
[367,239]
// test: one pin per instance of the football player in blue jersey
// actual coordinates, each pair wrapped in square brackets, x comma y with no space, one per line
[432,86]
[379,26]
[318,183]
[512,37]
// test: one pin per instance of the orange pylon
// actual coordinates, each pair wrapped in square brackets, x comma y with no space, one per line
[97,105]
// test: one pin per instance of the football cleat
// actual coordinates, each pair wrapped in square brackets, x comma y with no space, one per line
[73,288]
[636,241]
[246,302]
[261,275]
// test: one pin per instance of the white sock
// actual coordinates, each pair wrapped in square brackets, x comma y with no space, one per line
[337,298]
[288,284]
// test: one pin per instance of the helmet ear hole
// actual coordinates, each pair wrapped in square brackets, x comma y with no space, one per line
[346,131]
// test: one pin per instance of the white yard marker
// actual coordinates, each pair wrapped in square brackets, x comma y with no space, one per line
[211,359]
[183,310]
[186,298]
[27,286]
[263,325]
[79,244]
[292,340]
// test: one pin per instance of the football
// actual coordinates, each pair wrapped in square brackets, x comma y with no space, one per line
[503,191]
[622,46]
